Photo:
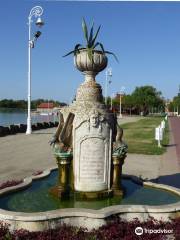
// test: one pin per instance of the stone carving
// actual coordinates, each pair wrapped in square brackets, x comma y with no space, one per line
[89,91]
[95,121]
[119,146]
[62,139]
[118,156]
[62,146]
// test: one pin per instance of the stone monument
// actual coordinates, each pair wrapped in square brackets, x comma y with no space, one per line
[92,130]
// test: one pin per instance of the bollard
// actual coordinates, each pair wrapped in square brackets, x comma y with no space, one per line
[22,128]
[163,124]
[51,124]
[12,129]
[2,131]
[56,124]
[158,135]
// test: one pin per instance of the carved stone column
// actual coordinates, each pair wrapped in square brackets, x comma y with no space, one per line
[92,131]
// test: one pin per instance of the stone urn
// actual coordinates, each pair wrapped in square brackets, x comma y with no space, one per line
[85,65]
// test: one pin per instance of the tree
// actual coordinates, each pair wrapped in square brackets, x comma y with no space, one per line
[146,97]
[22,104]
[128,103]
[174,106]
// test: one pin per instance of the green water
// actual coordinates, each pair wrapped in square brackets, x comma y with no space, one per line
[36,198]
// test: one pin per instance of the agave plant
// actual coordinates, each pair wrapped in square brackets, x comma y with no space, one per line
[91,43]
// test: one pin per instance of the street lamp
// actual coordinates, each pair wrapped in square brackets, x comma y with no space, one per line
[112,96]
[108,74]
[36,11]
[120,95]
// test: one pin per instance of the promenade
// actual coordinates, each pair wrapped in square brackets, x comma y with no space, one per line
[170,164]
[21,155]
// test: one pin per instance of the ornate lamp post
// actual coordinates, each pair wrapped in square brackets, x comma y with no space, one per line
[108,74]
[36,11]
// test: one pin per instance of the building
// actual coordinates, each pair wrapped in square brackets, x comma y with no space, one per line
[46,107]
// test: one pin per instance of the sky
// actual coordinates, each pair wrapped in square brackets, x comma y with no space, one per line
[145,36]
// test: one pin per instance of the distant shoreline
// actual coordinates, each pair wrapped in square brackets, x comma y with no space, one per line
[10,116]
[6,109]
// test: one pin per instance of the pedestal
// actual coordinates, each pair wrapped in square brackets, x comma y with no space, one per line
[93,195]
[117,175]
[62,190]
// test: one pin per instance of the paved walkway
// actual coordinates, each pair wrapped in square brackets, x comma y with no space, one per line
[170,164]
[159,168]
[175,128]
[21,155]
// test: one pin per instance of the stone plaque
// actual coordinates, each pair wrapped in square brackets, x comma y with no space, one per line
[92,164]
[92,154]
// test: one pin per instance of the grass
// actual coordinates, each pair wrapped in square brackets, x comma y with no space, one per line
[140,136]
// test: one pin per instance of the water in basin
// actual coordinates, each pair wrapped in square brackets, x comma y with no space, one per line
[36,198]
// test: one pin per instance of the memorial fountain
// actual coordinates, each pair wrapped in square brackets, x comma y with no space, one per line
[88,140]
[90,153]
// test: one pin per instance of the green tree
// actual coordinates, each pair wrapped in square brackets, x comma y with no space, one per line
[22,104]
[146,97]
[128,103]
[175,104]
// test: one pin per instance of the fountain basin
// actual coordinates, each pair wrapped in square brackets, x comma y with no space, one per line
[86,216]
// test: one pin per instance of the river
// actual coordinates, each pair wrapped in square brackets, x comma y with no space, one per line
[8,117]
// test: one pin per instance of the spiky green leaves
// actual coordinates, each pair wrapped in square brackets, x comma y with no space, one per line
[75,51]
[95,36]
[101,46]
[112,54]
[85,30]
[102,49]
[90,38]
[91,35]
[91,44]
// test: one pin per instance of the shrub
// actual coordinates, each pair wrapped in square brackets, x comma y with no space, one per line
[115,229]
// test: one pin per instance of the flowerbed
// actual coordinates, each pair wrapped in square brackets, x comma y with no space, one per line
[115,229]
[10,183]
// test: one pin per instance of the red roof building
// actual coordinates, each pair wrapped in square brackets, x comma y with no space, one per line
[46,105]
